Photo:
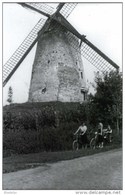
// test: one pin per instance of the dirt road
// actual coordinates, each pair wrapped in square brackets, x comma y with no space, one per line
[102,171]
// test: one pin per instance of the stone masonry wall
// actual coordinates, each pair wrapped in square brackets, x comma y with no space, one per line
[55,73]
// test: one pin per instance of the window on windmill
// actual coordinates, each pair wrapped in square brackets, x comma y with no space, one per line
[81,75]
[84,94]
[48,61]
[44,90]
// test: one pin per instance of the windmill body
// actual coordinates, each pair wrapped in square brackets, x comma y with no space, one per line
[57,73]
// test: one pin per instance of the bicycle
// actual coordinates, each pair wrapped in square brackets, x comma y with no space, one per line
[77,143]
[93,141]
[107,138]
[97,141]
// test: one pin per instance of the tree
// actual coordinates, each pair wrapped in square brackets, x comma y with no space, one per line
[10,95]
[108,98]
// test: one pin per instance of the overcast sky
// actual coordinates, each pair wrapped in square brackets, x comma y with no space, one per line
[100,22]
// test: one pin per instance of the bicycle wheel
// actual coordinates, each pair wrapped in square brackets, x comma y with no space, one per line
[75,145]
[93,143]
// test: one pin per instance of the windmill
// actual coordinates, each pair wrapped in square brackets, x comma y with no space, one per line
[58,73]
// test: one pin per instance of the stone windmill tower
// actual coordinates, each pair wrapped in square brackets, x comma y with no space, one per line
[58,73]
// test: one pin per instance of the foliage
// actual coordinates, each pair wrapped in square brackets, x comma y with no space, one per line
[41,126]
[107,100]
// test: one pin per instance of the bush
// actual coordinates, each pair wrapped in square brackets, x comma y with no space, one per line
[36,127]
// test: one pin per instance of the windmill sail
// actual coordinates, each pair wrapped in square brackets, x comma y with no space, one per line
[64,8]
[93,55]
[67,9]
[13,63]
[100,61]
[41,8]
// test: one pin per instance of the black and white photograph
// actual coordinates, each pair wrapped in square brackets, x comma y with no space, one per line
[62,97]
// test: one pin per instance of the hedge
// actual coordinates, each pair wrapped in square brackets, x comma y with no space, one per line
[35,127]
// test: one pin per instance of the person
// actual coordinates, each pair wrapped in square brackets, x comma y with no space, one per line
[100,140]
[100,128]
[109,133]
[82,131]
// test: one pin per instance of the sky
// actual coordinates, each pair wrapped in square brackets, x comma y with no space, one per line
[100,22]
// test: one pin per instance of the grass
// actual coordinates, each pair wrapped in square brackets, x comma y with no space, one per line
[26,161]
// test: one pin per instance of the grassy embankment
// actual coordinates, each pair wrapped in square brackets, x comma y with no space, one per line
[26,161]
